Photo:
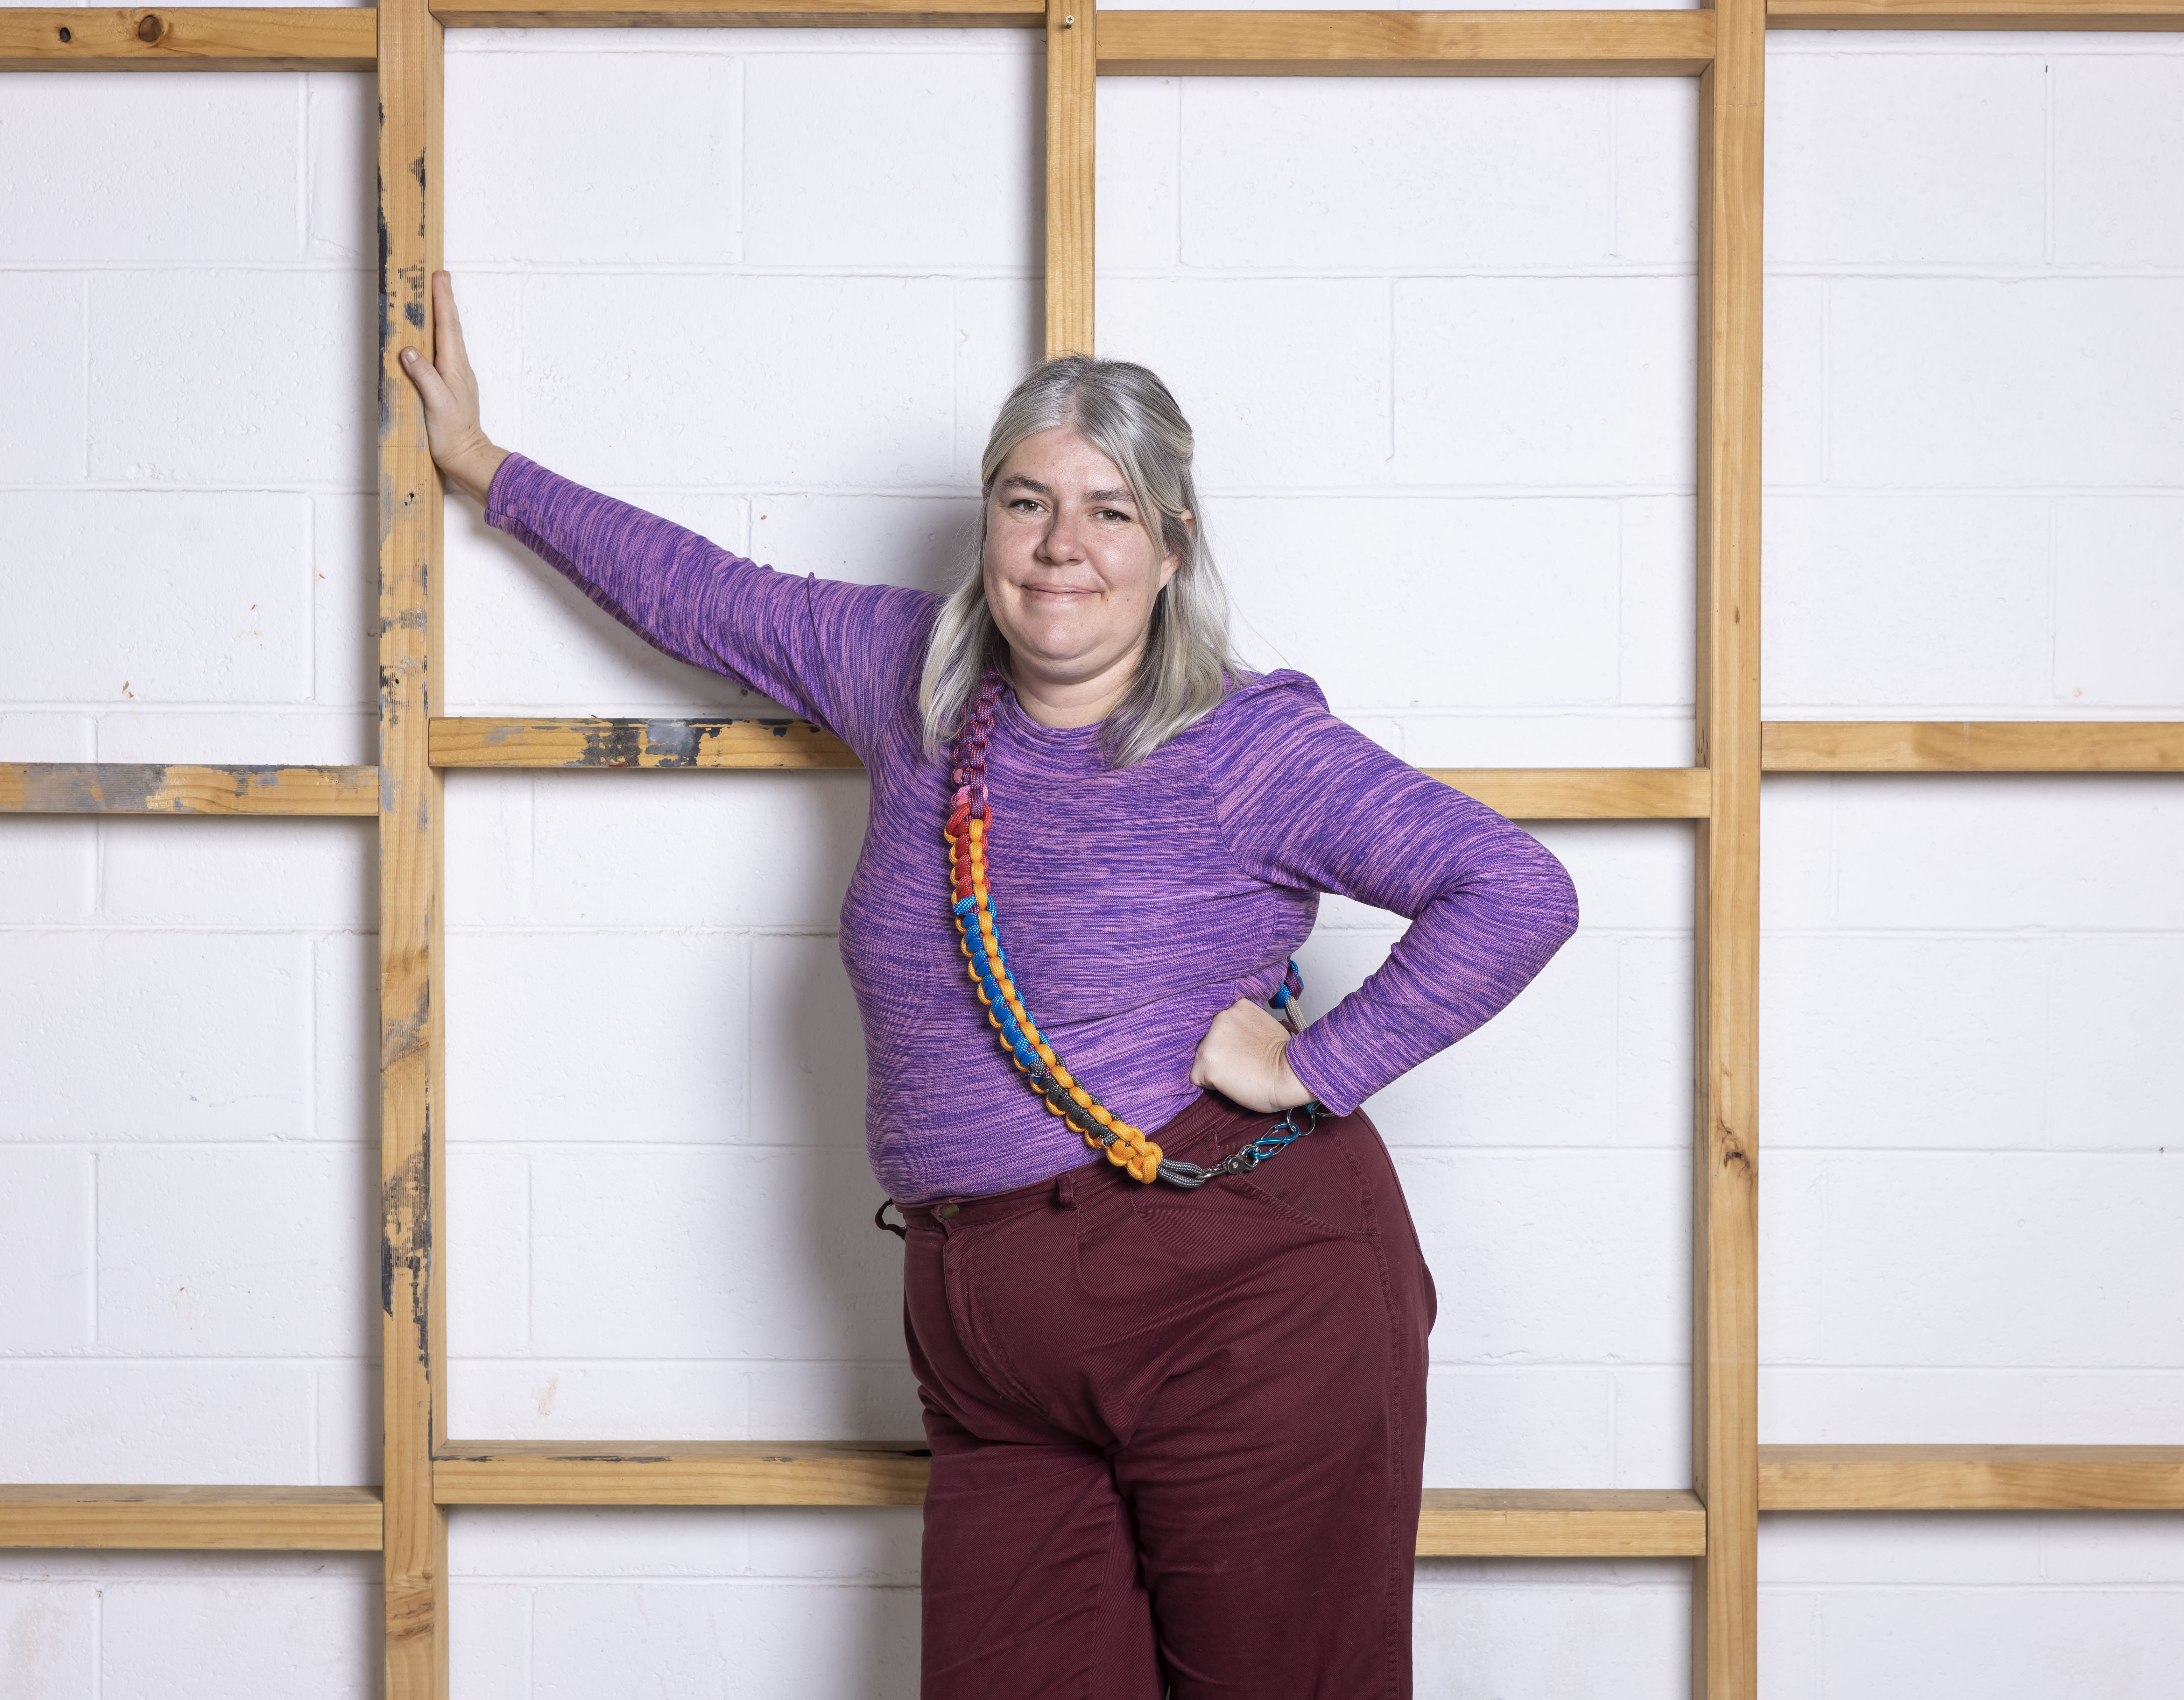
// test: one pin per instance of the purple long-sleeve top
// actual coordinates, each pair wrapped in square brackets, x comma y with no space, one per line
[1138,903]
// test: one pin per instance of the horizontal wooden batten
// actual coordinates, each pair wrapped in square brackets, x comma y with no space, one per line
[1973,15]
[131,788]
[478,742]
[305,1519]
[1971,1478]
[685,1473]
[1628,43]
[1585,794]
[189,38]
[1554,1523]
[1972,746]
[714,14]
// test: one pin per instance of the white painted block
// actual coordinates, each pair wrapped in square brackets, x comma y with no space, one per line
[114,1035]
[1317,416]
[1871,1041]
[345,1038]
[1794,1225]
[837,1402]
[267,1638]
[1960,381]
[101,1420]
[1931,159]
[922,540]
[711,1253]
[575,1036]
[485,1224]
[2028,1259]
[999,335]
[1793,403]
[1556,382]
[49,1639]
[790,382]
[204,168]
[1546,737]
[2093,1547]
[877,1544]
[47,1277]
[283,733]
[1899,1549]
[1518,1426]
[811,1638]
[1959,1643]
[1818,1404]
[350,1450]
[268,1253]
[1542,1635]
[44,443]
[1345,174]
[1659,653]
[2120,604]
[1556,1257]
[240,873]
[806,1044]
[1790,1643]
[1630,875]
[1656,144]
[1653,1041]
[186,598]
[2047,851]
[872,160]
[524,639]
[1541,1072]
[2115,1078]
[48,869]
[561,1399]
[2119,153]
[489,847]
[686,1542]
[292,409]
[2135,1408]
[33,735]
[1136,224]
[1880,601]
[620,159]
[704,849]
[345,602]
[488,1632]
[342,158]
[1797,852]
[1444,601]
[1652,1426]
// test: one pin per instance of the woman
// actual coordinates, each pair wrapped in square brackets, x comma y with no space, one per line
[1171,1352]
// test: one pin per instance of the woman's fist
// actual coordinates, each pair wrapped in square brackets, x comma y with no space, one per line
[447,385]
[1244,1057]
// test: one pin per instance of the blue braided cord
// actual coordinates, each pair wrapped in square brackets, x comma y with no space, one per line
[964,906]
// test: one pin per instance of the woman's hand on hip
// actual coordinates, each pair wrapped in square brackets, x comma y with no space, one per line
[464,455]
[1244,1057]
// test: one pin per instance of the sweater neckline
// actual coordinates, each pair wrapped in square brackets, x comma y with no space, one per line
[1020,725]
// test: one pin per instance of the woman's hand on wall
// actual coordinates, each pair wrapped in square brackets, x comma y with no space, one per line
[1244,1057]
[464,455]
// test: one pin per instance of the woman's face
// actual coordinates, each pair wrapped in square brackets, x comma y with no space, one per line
[1071,569]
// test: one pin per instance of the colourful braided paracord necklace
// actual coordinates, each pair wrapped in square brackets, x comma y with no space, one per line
[970,820]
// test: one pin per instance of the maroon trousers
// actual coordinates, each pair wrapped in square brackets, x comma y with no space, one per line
[1177,1436]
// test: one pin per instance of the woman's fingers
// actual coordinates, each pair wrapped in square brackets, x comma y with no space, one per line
[448,351]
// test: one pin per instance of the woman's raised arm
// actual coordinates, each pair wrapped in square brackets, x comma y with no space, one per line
[466,457]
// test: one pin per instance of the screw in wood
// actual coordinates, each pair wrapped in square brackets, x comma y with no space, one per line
[148,27]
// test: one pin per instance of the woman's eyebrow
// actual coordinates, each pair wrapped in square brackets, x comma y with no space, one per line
[1017,481]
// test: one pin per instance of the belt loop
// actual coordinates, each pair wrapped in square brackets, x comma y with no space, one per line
[1064,1190]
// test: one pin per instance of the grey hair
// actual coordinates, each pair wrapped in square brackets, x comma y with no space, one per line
[1126,412]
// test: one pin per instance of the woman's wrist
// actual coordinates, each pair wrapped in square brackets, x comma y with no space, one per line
[471,471]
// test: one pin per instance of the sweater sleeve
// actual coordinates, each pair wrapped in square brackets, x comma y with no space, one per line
[1307,801]
[838,653]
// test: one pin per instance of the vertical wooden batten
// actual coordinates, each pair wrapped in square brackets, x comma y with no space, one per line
[1071,109]
[1726,917]
[411,1063]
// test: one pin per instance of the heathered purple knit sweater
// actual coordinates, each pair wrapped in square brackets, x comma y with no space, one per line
[1138,904]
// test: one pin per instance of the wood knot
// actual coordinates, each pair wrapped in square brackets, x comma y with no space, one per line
[65,35]
[149,28]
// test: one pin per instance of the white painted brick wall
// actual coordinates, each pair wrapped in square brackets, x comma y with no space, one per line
[1437,340]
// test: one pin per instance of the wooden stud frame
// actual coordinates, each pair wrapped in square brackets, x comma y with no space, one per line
[1715,1522]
